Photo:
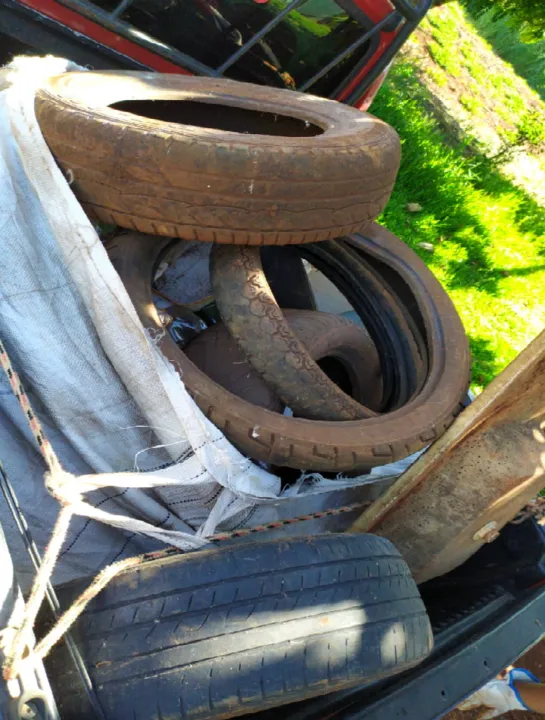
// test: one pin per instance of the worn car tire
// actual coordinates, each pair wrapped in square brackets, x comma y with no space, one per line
[345,349]
[218,356]
[285,185]
[228,631]
[249,309]
[312,444]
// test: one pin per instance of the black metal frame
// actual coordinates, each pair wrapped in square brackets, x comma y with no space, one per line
[48,36]
[36,30]
[404,16]
[409,10]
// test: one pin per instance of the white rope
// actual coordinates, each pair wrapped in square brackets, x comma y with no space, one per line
[16,644]
[69,491]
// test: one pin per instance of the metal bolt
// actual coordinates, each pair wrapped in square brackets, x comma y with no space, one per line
[488,533]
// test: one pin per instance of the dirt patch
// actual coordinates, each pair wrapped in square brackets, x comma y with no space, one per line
[473,72]
[479,96]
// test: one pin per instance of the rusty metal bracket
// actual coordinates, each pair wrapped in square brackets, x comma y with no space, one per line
[477,477]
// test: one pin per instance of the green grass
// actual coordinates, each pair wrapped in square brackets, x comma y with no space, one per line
[444,58]
[465,60]
[466,55]
[531,129]
[489,236]
[437,75]
[471,103]
[527,59]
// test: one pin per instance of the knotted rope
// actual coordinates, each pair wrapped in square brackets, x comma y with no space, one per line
[69,490]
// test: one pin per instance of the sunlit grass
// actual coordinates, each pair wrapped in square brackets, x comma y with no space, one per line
[528,59]
[488,235]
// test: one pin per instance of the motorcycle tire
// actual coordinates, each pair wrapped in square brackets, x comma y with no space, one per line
[342,348]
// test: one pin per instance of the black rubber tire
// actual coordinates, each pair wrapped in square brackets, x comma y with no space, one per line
[323,335]
[249,309]
[224,632]
[286,274]
[262,185]
[400,341]
[311,444]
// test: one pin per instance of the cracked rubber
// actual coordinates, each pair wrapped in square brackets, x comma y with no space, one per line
[224,632]
[323,335]
[318,445]
[200,183]
[249,309]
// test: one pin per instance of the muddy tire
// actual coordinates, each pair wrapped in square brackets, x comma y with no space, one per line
[391,320]
[343,349]
[218,356]
[224,632]
[320,445]
[146,153]
[249,309]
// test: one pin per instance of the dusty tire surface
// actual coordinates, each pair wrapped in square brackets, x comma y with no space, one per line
[146,153]
[218,356]
[252,316]
[313,444]
[400,343]
[228,631]
[249,309]
[323,335]
[337,344]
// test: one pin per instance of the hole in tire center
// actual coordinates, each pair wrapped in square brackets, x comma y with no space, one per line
[219,117]
[337,373]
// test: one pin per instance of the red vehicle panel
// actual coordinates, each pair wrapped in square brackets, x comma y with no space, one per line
[337,48]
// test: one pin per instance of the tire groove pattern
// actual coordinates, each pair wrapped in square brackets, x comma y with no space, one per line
[284,189]
[336,627]
[292,441]
[249,309]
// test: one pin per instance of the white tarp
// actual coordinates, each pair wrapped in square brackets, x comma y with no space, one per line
[108,400]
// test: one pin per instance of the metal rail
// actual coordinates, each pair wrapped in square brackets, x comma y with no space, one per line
[258,36]
[51,595]
[345,53]
[402,11]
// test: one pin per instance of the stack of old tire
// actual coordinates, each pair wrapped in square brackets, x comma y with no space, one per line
[277,181]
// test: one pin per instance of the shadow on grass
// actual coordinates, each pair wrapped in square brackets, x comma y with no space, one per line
[521,272]
[526,58]
[485,362]
[456,185]
[477,220]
